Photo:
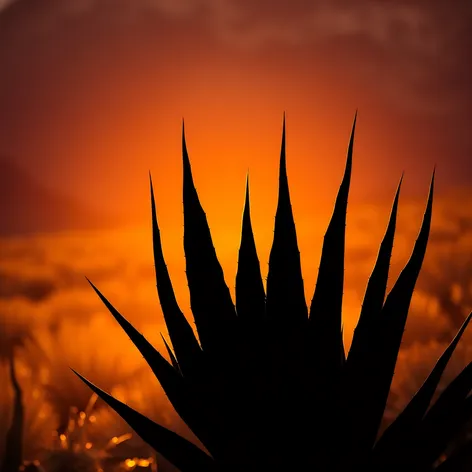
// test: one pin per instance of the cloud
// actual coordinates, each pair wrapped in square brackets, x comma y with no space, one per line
[44,276]
[35,289]
[5,3]
[410,49]
[413,27]
[415,52]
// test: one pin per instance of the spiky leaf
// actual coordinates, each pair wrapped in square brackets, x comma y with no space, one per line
[179,392]
[250,295]
[13,455]
[182,453]
[286,304]
[375,293]
[210,299]
[172,357]
[394,314]
[408,420]
[451,411]
[187,349]
[326,305]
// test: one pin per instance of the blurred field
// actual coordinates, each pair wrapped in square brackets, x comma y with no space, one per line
[51,318]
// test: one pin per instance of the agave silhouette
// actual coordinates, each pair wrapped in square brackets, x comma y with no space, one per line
[267,385]
[12,459]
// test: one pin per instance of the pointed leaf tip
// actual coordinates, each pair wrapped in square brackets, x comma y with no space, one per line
[353,132]
[283,179]
[430,198]
[250,295]
[285,289]
[246,203]
[399,186]
[172,357]
[283,137]
[326,304]
[151,189]
[186,161]
[184,142]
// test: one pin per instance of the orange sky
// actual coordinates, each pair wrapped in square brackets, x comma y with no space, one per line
[92,96]
[93,92]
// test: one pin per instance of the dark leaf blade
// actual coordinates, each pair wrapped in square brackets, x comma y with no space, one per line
[285,302]
[369,392]
[182,453]
[176,388]
[342,348]
[413,413]
[286,318]
[172,357]
[161,368]
[326,306]
[426,444]
[184,342]
[13,454]
[250,295]
[376,288]
[458,460]
[393,319]
[219,328]
[444,419]
[357,397]
[255,353]
[210,298]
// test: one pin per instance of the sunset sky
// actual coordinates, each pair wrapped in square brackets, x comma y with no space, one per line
[93,92]
[92,97]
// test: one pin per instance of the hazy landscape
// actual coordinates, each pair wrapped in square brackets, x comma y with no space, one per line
[92,98]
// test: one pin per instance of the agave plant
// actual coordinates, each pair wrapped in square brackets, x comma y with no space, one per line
[12,459]
[267,385]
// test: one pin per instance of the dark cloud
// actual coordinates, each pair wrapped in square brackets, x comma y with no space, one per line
[35,289]
[414,50]
[136,67]
[27,206]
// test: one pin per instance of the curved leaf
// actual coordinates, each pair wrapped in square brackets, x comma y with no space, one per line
[176,388]
[326,305]
[187,349]
[393,319]
[173,360]
[413,413]
[182,453]
[13,454]
[376,288]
